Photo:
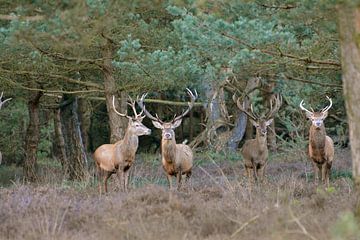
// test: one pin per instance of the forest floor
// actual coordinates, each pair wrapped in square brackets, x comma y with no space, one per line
[216,204]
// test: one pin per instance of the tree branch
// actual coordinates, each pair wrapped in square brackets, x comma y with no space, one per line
[312,82]
[281,54]
[22,18]
[67,79]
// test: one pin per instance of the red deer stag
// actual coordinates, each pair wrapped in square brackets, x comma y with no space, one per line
[255,151]
[1,104]
[118,157]
[321,146]
[177,159]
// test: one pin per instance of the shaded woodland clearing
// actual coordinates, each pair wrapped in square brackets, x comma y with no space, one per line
[64,61]
[217,205]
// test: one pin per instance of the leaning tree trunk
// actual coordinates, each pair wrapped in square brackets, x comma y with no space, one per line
[77,161]
[349,19]
[32,138]
[117,124]
[241,123]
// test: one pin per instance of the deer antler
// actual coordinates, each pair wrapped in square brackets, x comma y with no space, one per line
[273,111]
[2,102]
[325,109]
[191,104]
[131,103]
[303,108]
[140,102]
[252,115]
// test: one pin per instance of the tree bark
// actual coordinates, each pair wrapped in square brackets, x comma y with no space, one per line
[117,124]
[75,150]
[349,24]
[60,142]
[242,126]
[32,138]
[85,119]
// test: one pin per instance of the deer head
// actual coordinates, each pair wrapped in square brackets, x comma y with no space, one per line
[167,128]
[317,118]
[1,101]
[261,122]
[135,125]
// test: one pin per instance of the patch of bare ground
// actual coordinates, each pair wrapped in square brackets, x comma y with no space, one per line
[216,204]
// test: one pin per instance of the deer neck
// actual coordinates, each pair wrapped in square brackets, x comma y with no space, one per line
[168,148]
[261,140]
[130,141]
[317,137]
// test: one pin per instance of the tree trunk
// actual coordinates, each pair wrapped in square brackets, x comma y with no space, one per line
[75,149]
[85,119]
[117,124]
[60,142]
[349,23]
[32,139]
[241,123]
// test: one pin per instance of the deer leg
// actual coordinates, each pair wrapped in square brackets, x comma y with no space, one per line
[121,180]
[169,181]
[99,177]
[254,167]
[327,167]
[187,179]
[126,183]
[316,173]
[178,178]
[249,174]
[261,172]
[106,177]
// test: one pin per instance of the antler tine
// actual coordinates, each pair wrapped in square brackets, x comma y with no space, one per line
[193,97]
[253,112]
[242,107]
[275,109]
[303,108]
[140,102]
[121,114]
[325,109]
[132,103]
[2,102]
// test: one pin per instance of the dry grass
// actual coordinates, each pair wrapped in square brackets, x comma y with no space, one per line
[217,204]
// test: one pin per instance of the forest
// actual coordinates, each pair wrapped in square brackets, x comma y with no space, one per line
[180,119]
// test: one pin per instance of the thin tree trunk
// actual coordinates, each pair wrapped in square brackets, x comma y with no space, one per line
[60,142]
[32,139]
[349,23]
[117,124]
[85,119]
[75,149]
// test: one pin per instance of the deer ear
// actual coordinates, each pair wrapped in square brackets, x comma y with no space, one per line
[254,123]
[324,115]
[309,115]
[157,124]
[268,122]
[176,123]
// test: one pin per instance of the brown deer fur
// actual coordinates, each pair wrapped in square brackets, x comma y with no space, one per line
[120,156]
[177,159]
[321,146]
[255,151]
